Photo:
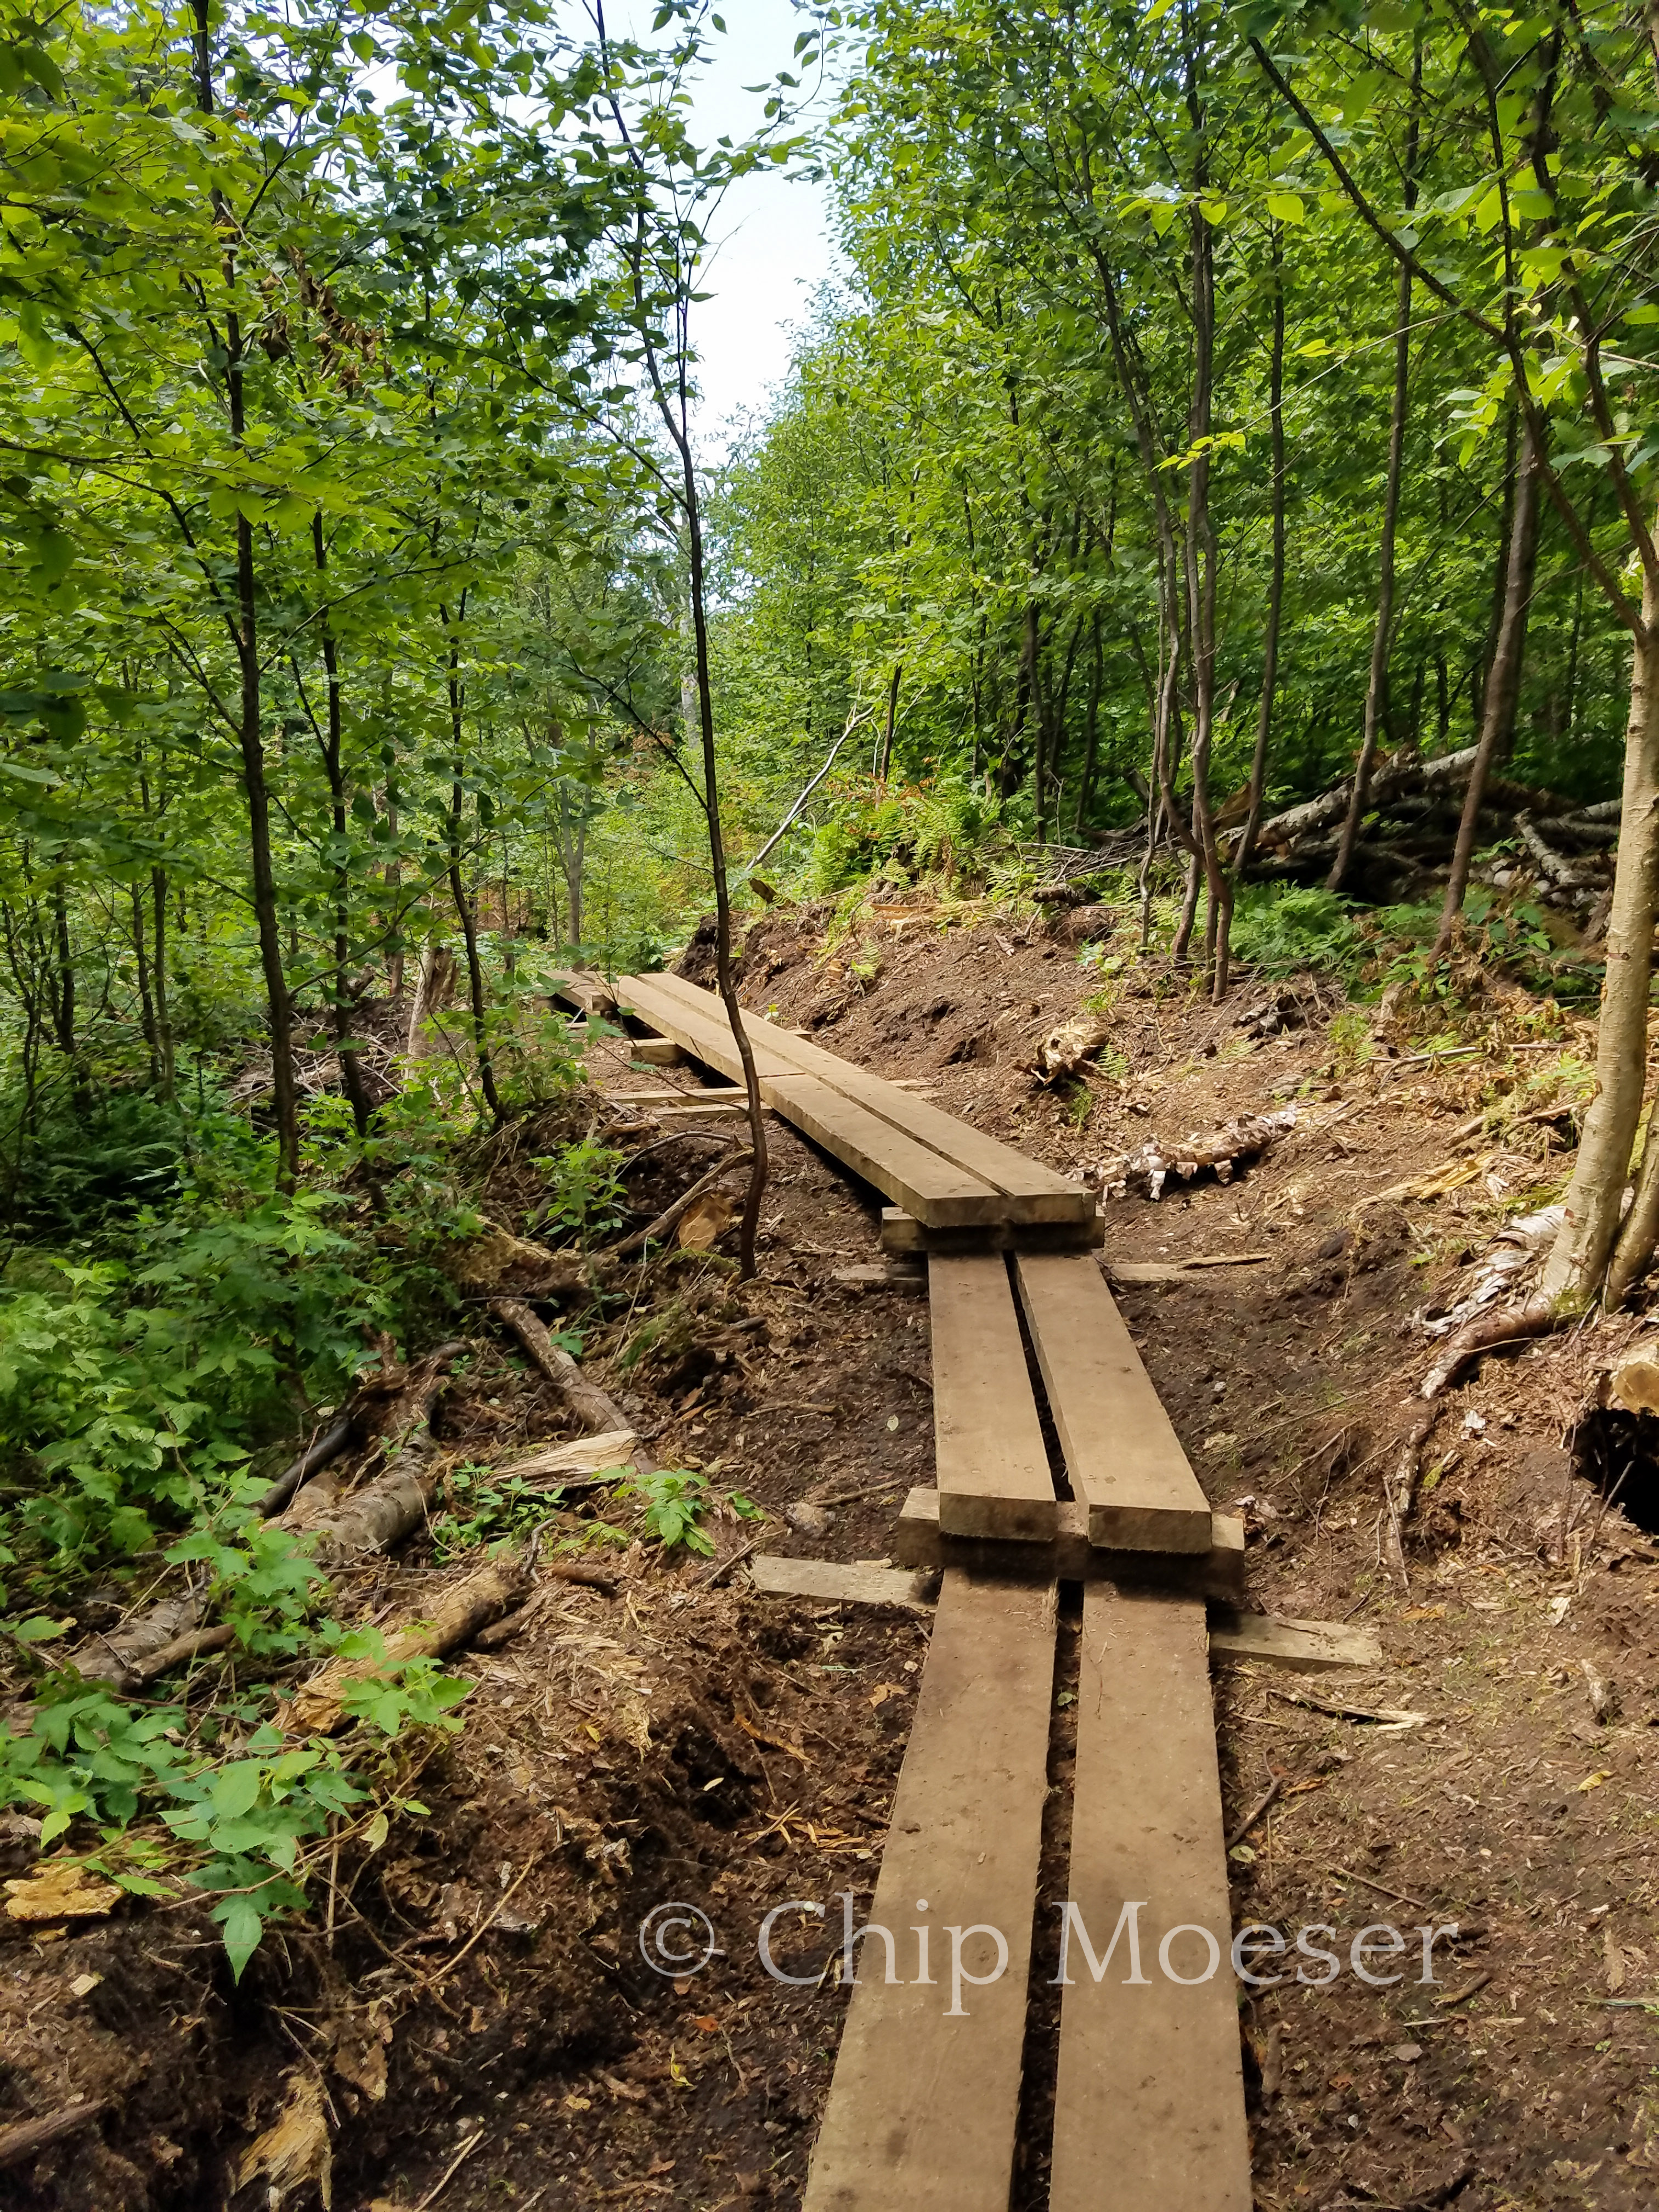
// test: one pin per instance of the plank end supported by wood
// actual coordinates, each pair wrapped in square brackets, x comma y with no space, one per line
[1069,1557]
[993,1465]
[901,1233]
[1123,1454]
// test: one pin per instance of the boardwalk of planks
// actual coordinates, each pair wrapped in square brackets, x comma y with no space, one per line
[923,2108]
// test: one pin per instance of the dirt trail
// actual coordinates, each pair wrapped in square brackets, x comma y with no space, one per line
[684,1743]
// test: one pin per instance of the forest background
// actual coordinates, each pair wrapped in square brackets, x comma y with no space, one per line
[1222,402]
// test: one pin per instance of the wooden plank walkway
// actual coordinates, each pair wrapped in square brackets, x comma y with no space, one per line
[1124,1459]
[922,2109]
[892,1129]
[991,1465]
[1150,2090]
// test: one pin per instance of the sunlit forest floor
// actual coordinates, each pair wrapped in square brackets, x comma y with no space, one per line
[468,1997]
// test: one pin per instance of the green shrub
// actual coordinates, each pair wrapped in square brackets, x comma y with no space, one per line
[1283,929]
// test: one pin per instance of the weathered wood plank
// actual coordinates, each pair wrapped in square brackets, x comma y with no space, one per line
[924,1182]
[585,990]
[1303,1647]
[992,1466]
[1035,1192]
[1121,1453]
[918,1541]
[836,1582]
[700,1030]
[923,2106]
[901,1233]
[1150,2090]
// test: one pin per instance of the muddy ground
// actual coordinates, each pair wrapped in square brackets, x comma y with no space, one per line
[470,2001]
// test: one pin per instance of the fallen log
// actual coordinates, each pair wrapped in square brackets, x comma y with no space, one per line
[115,1658]
[597,1413]
[496,1262]
[1150,1166]
[1393,777]
[584,1455]
[1633,1385]
[384,1511]
[496,1589]
[1556,865]
[28,2138]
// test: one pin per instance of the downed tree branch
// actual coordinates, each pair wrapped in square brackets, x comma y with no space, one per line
[655,1231]
[197,1645]
[497,1588]
[1513,1325]
[27,2138]
[1221,1150]
[316,1455]
[597,1413]
[1554,865]
[394,1406]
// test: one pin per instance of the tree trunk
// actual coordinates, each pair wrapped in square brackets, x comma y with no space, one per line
[1085,793]
[886,761]
[64,996]
[728,989]
[1201,587]
[158,898]
[464,908]
[1264,722]
[1573,1272]
[284,1093]
[1503,682]
[146,999]
[351,1072]
[1375,688]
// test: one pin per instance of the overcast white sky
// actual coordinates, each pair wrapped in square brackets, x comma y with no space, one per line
[774,246]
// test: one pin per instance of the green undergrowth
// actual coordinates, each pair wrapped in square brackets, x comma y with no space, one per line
[161,1347]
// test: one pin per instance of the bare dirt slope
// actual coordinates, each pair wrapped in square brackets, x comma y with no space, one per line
[474,1989]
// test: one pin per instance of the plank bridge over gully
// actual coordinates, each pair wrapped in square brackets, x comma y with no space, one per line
[922,2112]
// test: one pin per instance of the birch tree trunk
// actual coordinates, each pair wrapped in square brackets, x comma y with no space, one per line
[1573,1272]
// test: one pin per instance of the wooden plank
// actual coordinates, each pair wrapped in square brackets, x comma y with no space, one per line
[656,1052]
[660,1097]
[1217,1573]
[886,1277]
[1121,1453]
[932,1187]
[923,2106]
[1304,1647]
[1038,1194]
[841,1584]
[585,989]
[1150,2090]
[697,1025]
[901,1233]
[992,1466]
